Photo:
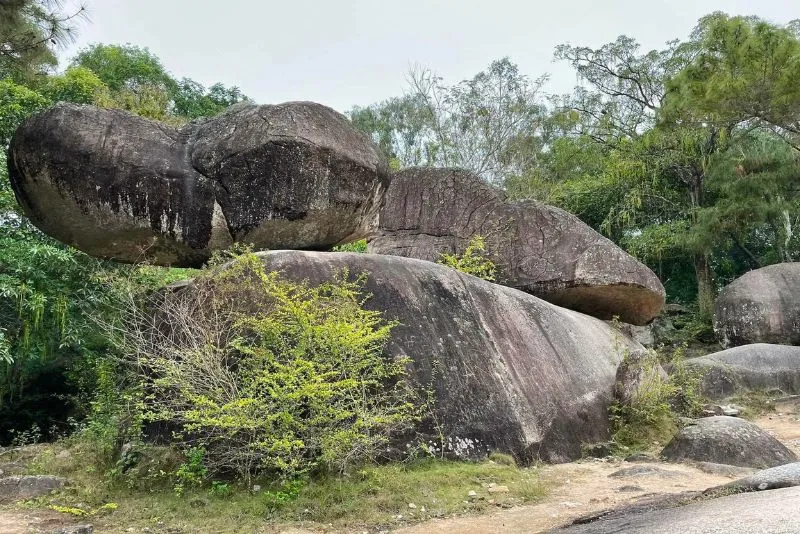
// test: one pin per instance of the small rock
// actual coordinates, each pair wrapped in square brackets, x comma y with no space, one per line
[412,505]
[499,489]
[643,471]
[256,488]
[630,489]
[472,494]
[423,510]
[75,529]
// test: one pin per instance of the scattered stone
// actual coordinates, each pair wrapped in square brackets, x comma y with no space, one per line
[641,457]
[20,487]
[759,366]
[537,248]
[643,471]
[75,529]
[412,505]
[630,489]
[762,306]
[295,175]
[724,470]
[472,494]
[711,410]
[727,440]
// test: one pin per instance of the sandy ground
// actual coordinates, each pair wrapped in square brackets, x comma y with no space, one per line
[580,489]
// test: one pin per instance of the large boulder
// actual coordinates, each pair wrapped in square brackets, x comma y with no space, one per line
[14,488]
[294,175]
[759,366]
[762,306]
[537,248]
[727,440]
[509,371]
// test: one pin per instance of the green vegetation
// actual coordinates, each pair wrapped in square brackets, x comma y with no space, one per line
[475,260]
[651,415]
[260,376]
[359,246]
[369,497]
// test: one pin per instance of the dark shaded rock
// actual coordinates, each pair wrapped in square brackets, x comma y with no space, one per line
[599,450]
[509,372]
[15,488]
[630,488]
[537,248]
[782,476]
[762,306]
[759,366]
[115,185]
[727,440]
[643,471]
[641,457]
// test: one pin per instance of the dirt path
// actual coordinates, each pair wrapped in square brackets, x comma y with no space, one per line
[586,488]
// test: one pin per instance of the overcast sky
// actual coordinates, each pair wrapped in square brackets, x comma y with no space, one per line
[355,52]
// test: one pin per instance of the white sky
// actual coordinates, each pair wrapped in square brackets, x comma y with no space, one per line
[347,52]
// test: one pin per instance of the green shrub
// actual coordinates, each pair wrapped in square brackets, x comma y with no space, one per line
[475,260]
[359,246]
[268,376]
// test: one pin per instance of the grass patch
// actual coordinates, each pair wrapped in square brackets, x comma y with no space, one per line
[755,403]
[370,497]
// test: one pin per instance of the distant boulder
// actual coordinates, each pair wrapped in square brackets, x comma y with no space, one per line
[537,248]
[762,306]
[509,372]
[727,440]
[294,175]
[759,366]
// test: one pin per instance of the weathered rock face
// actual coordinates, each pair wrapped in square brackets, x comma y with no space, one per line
[762,306]
[16,488]
[115,185]
[782,476]
[509,371]
[759,366]
[538,249]
[727,440]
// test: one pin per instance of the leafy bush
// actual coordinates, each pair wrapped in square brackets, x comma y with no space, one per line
[652,412]
[475,260]
[268,376]
[359,246]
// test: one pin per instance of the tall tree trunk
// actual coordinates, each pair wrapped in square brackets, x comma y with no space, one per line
[705,287]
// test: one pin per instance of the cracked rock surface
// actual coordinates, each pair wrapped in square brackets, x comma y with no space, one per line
[294,175]
[537,248]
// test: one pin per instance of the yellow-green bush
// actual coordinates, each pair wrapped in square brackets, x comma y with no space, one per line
[268,376]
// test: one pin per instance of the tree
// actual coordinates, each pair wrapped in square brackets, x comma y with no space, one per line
[745,71]
[28,31]
[192,100]
[490,124]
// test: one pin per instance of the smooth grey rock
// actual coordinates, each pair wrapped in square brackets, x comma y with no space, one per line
[509,372]
[727,440]
[759,366]
[537,248]
[782,476]
[762,306]
[775,512]
[20,487]
[115,185]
